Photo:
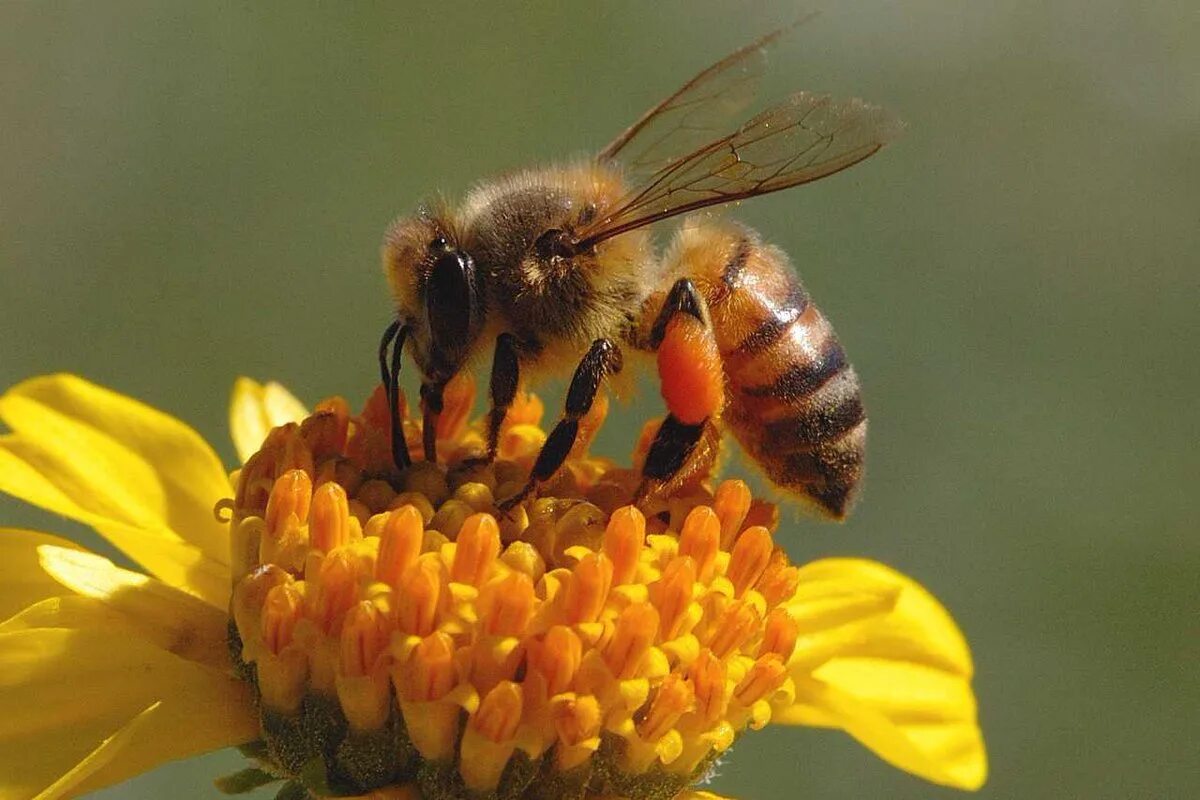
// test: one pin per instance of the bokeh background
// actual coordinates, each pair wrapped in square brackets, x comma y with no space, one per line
[189,192]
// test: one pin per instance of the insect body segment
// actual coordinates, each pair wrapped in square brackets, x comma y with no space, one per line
[792,399]
[553,268]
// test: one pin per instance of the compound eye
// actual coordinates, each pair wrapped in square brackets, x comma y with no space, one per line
[450,301]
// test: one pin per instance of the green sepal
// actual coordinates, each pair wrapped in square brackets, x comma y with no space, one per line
[256,749]
[315,776]
[293,791]
[246,780]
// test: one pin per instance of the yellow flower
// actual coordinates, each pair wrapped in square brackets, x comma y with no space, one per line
[360,631]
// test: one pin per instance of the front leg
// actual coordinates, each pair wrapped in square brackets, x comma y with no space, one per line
[603,358]
[431,408]
[389,373]
[693,386]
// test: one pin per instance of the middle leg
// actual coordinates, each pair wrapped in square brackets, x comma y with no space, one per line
[603,358]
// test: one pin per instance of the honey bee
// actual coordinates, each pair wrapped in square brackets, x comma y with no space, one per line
[555,265]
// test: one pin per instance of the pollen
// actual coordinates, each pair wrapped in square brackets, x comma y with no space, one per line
[402,630]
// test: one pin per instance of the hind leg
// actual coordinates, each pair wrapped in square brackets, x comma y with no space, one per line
[693,386]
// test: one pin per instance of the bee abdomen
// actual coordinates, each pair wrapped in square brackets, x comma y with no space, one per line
[792,397]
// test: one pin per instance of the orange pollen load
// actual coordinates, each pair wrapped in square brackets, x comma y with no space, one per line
[690,368]
[571,630]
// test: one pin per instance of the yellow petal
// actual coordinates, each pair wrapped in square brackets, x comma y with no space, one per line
[22,581]
[901,685]
[99,758]
[64,692]
[256,408]
[112,597]
[918,628]
[918,740]
[162,552]
[835,599]
[87,449]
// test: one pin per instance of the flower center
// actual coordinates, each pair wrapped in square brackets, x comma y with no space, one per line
[400,629]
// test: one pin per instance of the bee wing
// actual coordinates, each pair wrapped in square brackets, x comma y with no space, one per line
[804,138]
[698,111]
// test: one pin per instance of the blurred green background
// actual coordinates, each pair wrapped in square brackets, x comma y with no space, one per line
[193,192]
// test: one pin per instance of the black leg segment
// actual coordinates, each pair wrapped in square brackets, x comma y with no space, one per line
[506,372]
[683,298]
[554,452]
[603,358]
[670,449]
[389,372]
[431,400]
[389,334]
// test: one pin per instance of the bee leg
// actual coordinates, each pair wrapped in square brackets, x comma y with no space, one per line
[431,404]
[603,358]
[684,298]
[390,375]
[689,368]
[506,370]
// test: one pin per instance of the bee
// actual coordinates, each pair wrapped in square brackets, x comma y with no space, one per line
[555,265]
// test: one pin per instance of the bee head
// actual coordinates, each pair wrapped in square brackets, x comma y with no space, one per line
[437,291]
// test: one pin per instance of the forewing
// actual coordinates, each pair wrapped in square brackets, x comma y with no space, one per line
[804,138]
[699,111]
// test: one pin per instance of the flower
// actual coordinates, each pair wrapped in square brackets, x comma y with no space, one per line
[357,630]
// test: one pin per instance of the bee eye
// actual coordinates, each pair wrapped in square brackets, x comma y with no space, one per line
[439,243]
[450,300]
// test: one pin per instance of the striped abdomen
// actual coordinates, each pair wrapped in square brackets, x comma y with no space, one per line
[792,398]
